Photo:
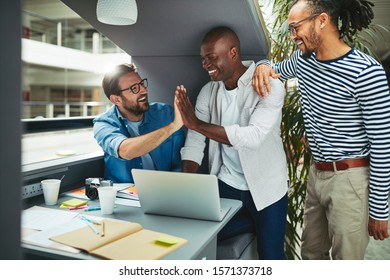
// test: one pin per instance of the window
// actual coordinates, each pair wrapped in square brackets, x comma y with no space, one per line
[64,61]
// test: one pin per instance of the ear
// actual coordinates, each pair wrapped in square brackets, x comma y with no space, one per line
[324,20]
[115,99]
[234,53]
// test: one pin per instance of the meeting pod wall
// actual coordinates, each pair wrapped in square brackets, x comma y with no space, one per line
[164,44]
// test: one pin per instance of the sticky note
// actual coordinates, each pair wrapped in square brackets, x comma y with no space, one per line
[74,202]
[167,241]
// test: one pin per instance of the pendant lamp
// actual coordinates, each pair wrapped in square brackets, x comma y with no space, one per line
[117,12]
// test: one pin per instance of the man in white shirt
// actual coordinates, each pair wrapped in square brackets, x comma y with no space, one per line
[245,148]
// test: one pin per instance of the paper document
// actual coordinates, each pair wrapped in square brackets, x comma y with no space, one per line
[40,218]
[77,193]
[39,224]
[129,192]
[125,190]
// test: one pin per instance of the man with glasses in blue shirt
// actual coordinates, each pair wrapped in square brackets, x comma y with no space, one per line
[135,133]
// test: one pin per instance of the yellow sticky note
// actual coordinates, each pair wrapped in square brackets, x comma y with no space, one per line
[74,202]
[167,241]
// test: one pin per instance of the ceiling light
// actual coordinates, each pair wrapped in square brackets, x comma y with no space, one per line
[117,12]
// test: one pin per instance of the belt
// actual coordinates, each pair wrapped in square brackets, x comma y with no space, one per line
[342,164]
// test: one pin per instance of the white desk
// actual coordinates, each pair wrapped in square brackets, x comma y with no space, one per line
[201,235]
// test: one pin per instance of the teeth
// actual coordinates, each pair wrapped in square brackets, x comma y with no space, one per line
[142,99]
[212,71]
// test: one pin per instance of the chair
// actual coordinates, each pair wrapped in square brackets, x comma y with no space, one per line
[240,247]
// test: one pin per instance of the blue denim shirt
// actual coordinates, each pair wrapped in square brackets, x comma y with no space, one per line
[110,130]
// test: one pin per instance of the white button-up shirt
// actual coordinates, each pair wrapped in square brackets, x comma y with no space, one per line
[256,137]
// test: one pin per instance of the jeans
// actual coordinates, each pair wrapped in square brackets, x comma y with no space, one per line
[267,224]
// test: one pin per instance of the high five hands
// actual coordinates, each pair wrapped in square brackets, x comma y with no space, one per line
[185,107]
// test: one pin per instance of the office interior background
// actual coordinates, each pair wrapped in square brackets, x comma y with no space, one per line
[40,83]
[54,86]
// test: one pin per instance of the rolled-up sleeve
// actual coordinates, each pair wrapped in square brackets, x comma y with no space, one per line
[263,119]
[109,137]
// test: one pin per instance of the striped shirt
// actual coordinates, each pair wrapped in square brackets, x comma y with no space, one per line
[346,109]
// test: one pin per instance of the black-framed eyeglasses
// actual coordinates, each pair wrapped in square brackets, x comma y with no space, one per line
[137,87]
[292,27]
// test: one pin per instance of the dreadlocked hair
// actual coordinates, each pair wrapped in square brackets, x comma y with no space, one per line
[353,15]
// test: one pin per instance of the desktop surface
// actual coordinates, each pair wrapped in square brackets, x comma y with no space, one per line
[201,234]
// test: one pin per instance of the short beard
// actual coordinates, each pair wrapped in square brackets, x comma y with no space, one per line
[137,110]
[306,55]
[315,41]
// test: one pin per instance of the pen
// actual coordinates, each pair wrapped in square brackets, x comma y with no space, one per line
[91,221]
[92,209]
[89,225]
[102,232]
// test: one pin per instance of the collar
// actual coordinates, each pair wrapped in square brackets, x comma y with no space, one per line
[123,120]
[246,78]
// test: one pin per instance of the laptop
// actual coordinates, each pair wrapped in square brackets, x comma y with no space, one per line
[185,195]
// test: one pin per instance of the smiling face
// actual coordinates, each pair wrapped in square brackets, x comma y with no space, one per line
[218,59]
[306,32]
[132,106]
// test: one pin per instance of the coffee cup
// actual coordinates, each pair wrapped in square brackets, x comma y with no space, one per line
[51,189]
[107,197]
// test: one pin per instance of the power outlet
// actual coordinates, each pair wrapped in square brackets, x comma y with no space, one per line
[31,190]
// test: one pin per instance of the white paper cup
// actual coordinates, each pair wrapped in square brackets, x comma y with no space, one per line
[107,197]
[51,189]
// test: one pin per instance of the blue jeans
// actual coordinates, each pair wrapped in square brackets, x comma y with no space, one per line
[267,224]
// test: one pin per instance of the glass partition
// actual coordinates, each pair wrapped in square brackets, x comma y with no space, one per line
[64,60]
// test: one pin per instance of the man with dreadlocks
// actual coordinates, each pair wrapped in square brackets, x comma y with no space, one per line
[346,108]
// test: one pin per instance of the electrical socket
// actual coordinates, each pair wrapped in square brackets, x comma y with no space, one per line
[32,190]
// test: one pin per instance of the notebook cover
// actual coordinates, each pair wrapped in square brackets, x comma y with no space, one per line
[141,245]
[85,239]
